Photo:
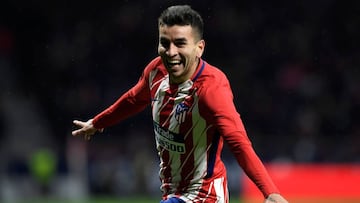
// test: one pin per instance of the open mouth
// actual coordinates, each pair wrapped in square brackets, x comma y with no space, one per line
[173,62]
[173,65]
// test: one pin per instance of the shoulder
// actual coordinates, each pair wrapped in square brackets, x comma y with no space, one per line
[155,66]
[212,75]
[213,82]
[214,92]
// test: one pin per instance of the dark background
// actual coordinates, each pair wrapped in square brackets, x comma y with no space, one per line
[293,65]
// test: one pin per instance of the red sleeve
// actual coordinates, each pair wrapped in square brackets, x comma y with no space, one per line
[219,100]
[251,164]
[132,102]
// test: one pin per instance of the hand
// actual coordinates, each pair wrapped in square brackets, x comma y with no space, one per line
[86,129]
[275,198]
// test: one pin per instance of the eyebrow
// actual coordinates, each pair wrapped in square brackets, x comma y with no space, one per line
[181,40]
[176,40]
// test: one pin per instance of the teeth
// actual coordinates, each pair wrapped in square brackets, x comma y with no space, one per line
[174,62]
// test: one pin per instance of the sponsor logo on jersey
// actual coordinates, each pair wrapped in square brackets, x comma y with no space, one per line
[170,141]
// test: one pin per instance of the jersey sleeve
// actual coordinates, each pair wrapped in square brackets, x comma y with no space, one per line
[130,103]
[218,98]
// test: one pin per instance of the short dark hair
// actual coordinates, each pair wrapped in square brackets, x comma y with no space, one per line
[182,15]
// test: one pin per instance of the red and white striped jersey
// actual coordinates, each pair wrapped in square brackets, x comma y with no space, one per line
[191,121]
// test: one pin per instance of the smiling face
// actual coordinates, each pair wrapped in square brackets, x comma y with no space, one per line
[180,50]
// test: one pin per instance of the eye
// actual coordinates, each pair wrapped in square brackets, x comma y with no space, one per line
[164,43]
[180,44]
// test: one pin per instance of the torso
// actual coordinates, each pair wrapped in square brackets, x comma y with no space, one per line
[184,137]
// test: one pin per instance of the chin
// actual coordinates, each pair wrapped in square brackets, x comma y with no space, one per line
[175,74]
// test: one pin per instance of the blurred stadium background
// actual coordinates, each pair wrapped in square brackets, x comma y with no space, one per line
[294,68]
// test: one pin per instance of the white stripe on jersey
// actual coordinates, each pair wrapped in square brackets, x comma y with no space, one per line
[219,190]
[200,143]
[209,191]
[195,159]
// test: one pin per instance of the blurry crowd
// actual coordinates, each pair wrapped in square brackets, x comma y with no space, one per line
[294,68]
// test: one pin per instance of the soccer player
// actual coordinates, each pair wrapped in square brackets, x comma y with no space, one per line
[193,115]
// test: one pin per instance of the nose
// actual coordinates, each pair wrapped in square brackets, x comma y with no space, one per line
[172,50]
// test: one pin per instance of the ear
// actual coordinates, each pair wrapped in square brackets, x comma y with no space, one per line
[200,48]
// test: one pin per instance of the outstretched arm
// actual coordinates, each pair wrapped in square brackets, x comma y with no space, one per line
[85,129]
[219,100]
[130,103]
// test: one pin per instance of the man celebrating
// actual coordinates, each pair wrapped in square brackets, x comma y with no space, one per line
[193,114]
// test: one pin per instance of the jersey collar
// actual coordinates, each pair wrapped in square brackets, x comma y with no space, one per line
[202,64]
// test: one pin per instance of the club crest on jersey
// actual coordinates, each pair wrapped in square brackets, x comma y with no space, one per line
[180,112]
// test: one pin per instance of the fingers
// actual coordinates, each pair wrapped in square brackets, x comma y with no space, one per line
[87,137]
[275,198]
[79,123]
[81,132]
[86,129]
[83,128]
[78,132]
